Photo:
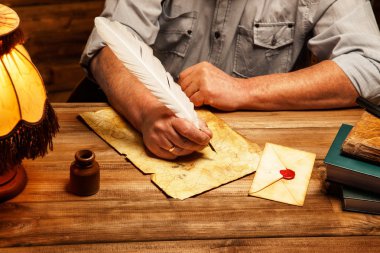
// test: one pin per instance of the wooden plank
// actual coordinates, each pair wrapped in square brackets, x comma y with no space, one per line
[303,245]
[79,107]
[60,75]
[73,222]
[119,179]
[59,96]
[60,78]
[60,30]
[291,119]
[43,48]
[247,120]
[67,16]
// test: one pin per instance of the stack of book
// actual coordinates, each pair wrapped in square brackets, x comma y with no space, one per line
[353,162]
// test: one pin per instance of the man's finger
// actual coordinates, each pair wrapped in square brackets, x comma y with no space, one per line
[180,151]
[183,143]
[186,82]
[163,153]
[189,131]
[186,72]
[191,89]
[204,128]
[197,98]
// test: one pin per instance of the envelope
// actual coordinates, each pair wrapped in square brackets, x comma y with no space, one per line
[269,182]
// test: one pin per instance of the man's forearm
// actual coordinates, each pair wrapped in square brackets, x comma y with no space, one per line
[124,91]
[320,86]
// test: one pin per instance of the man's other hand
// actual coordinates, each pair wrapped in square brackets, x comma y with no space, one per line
[205,84]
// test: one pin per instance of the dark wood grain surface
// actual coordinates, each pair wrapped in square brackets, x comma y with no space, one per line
[130,214]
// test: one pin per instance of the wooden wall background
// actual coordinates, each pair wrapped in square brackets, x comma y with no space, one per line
[56,32]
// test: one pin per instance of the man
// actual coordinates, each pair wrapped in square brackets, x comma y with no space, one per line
[237,54]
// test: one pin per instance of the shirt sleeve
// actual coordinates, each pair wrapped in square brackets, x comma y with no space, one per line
[347,33]
[140,16]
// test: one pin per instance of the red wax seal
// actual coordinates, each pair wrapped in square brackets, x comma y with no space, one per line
[288,174]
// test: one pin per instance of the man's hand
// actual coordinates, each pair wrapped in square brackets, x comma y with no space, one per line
[323,85]
[168,137]
[164,134]
[205,84]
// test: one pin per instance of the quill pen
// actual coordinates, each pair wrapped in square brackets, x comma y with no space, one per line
[139,59]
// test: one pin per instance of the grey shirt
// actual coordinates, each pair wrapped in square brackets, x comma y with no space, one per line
[247,38]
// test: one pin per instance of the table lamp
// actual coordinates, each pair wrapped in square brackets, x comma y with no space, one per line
[27,120]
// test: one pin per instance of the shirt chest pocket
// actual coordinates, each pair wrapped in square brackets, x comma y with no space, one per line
[173,39]
[264,49]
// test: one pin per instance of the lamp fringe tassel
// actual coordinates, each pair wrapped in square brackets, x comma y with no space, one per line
[28,140]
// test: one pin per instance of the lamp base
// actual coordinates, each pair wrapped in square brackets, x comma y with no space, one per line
[12,182]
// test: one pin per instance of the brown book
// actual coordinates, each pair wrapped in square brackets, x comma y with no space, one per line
[364,139]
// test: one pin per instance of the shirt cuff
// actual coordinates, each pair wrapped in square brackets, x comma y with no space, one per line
[364,74]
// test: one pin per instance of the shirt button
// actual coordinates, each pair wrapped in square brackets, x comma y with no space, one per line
[217,35]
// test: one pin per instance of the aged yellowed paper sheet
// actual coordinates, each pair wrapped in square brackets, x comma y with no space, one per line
[185,176]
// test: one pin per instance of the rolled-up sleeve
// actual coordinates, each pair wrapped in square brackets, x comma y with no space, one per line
[347,33]
[141,17]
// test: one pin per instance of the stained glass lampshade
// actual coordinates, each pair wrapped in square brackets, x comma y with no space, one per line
[27,120]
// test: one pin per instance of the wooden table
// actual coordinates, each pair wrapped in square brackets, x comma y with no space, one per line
[131,214]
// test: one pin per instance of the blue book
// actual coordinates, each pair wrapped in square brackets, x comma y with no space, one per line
[350,171]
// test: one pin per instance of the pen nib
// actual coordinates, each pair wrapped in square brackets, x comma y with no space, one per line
[212,148]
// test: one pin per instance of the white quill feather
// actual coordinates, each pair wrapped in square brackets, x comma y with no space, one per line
[138,58]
